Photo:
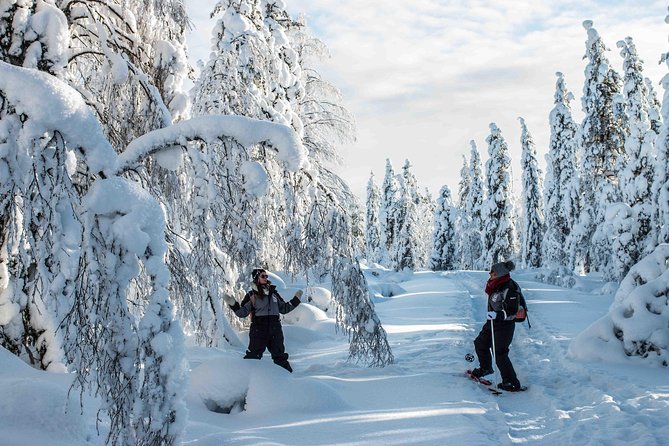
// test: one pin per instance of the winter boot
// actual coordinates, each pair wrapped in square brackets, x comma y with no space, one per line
[509,387]
[479,372]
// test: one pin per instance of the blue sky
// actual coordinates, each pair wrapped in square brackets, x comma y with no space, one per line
[425,77]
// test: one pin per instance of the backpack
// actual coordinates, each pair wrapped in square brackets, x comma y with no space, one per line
[521,314]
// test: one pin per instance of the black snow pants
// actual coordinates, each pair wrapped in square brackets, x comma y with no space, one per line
[503,337]
[266,333]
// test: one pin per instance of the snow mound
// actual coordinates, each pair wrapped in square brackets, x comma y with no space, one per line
[381,290]
[321,298]
[637,323]
[34,407]
[306,315]
[307,324]
[232,385]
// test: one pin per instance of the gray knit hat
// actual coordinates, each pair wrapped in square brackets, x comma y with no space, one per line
[503,268]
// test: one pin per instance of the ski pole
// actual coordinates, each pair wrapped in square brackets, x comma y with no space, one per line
[494,356]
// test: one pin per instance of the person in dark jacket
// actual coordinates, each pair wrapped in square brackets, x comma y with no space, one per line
[503,298]
[264,305]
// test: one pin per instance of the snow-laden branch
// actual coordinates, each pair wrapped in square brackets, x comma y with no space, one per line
[53,105]
[246,131]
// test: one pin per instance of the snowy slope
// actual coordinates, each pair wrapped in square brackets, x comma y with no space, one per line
[431,320]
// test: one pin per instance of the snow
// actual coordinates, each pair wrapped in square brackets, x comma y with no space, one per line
[246,131]
[601,397]
[53,105]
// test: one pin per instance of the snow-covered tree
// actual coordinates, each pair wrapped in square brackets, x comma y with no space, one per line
[227,235]
[470,222]
[389,197]
[638,171]
[368,343]
[654,107]
[357,216]
[497,212]
[464,185]
[407,248]
[661,183]
[325,120]
[561,196]
[426,207]
[39,227]
[373,229]
[127,58]
[602,142]
[444,239]
[532,202]
[34,34]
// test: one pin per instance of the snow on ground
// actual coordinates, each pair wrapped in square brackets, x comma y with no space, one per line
[423,399]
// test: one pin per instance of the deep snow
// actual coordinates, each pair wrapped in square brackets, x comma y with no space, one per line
[423,399]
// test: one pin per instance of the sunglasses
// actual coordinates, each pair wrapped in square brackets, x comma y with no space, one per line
[263,276]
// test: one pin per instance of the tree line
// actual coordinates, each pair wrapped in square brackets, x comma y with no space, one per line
[601,205]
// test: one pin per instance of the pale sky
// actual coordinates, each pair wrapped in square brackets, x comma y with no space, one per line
[425,77]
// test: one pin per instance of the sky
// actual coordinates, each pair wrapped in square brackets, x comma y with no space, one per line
[424,78]
[580,391]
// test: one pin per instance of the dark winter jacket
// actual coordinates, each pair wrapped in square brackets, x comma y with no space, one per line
[262,303]
[504,300]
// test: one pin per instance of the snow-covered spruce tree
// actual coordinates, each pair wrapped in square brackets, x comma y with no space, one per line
[373,229]
[464,185]
[638,171]
[561,196]
[654,107]
[463,220]
[389,197]
[637,324]
[443,256]
[532,202]
[661,183]
[407,248]
[357,216]
[602,143]
[427,206]
[407,243]
[470,225]
[497,213]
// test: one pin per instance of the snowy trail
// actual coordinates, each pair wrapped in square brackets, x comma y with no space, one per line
[424,398]
[565,396]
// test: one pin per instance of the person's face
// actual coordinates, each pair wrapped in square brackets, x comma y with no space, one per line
[493,275]
[262,278]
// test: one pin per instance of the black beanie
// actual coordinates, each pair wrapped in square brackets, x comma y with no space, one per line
[503,268]
[256,272]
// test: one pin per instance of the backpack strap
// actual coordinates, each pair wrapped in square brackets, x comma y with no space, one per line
[253,304]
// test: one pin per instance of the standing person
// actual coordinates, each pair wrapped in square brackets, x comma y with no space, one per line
[264,304]
[503,298]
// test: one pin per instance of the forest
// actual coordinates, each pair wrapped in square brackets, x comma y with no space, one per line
[130,206]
